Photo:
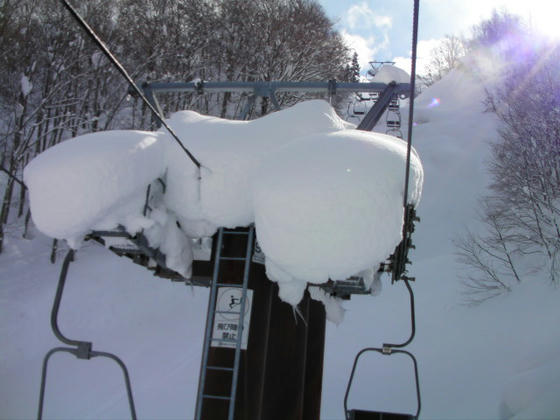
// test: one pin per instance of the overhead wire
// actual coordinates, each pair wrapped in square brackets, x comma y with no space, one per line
[15,178]
[125,74]
[411,101]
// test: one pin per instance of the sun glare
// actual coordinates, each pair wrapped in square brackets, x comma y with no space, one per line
[541,15]
[545,20]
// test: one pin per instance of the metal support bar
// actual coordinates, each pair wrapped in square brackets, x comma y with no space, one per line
[412,319]
[149,93]
[277,87]
[377,110]
[332,88]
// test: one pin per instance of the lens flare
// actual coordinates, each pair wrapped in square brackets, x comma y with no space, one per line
[435,102]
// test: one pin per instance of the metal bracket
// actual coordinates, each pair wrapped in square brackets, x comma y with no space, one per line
[199,87]
[84,350]
[332,88]
[396,264]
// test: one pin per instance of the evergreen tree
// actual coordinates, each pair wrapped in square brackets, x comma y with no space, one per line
[354,69]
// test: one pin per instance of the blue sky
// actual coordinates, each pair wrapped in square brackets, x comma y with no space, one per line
[382,29]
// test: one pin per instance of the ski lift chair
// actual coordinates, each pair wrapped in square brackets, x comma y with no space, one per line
[350,112]
[355,414]
[359,107]
[394,105]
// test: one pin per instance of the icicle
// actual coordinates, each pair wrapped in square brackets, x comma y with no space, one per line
[297,313]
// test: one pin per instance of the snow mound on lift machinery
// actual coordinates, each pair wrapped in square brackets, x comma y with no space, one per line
[326,200]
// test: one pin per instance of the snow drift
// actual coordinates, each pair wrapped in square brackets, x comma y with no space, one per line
[326,200]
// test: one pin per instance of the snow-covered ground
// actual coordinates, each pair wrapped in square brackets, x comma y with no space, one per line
[500,359]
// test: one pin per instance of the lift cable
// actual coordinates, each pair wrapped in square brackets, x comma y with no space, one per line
[134,86]
[411,100]
[15,178]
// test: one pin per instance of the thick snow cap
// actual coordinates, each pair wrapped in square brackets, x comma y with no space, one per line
[231,151]
[331,205]
[327,200]
[388,73]
[77,184]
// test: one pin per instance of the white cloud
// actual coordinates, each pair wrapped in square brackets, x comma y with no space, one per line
[361,16]
[423,53]
[383,21]
[366,32]
[365,47]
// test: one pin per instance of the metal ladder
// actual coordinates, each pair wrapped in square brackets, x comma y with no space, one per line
[393,118]
[202,396]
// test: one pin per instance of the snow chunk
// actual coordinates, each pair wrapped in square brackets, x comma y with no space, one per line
[389,73]
[333,306]
[171,241]
[230,152]
[330,206]
[95,179]
[26,85]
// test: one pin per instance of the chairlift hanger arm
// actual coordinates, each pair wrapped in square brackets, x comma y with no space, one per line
[82,349]
[399,259]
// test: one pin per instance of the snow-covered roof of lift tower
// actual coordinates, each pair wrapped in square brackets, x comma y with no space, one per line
[388,73]
[326,199]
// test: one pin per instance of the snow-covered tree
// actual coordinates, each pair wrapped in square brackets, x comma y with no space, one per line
[443,58]
[522,209]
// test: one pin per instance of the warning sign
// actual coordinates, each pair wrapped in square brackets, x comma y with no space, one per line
[258,255]
[228,315]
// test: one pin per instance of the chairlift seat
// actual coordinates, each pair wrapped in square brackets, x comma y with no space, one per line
[377,415]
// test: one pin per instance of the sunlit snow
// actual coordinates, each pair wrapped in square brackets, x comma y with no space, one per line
[327,200]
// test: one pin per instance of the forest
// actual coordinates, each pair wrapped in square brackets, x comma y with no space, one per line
[58,84]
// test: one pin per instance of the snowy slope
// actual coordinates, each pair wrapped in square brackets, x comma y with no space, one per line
[155,326]
[467,355]
[499,359]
